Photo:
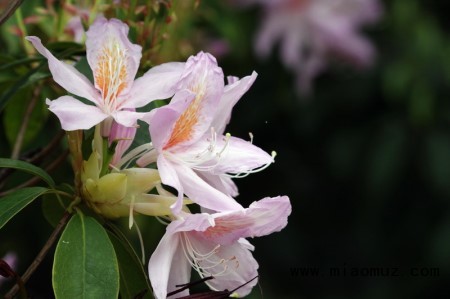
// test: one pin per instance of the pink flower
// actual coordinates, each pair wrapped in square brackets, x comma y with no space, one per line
[310,32]
[114,61]
[192,153]
[75,24]
[215,245]
[75,28]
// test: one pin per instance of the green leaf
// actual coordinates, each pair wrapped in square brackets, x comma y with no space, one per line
[27,167]
[133,278]
[18,62]
[14,202]
[85,264]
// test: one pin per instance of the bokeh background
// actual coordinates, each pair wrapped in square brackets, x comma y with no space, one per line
[364,156]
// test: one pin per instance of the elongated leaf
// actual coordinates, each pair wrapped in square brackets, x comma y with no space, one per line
[18,62]
[85,264]
[133,278]
[14,202]
[27,167]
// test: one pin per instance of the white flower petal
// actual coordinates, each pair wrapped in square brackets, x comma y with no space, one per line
[75,115]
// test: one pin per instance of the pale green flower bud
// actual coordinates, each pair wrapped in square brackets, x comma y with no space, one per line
[122,192]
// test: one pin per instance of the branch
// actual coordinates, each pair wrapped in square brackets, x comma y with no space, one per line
[9,10]
[26,118]
[35,158]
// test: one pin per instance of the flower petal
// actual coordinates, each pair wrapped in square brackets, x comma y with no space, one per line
[202,193]
[124,137]
[191,222]
[205,79]
[127,118]
[75,115]
[232,93]
[269,215]
[170,177]
[114,60]
[66,75]
[262,218]
[168,267]
[160,82]
[240,156]
[163,119]
[222,183]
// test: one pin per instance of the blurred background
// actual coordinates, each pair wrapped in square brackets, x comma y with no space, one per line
[363,139]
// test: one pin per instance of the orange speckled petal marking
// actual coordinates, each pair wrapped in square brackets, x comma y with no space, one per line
[205,80]
[114,61]
[110,72]
[184,126]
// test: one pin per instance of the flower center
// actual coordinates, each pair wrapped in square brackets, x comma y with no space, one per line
[111,74]
[207,263]
[206,159]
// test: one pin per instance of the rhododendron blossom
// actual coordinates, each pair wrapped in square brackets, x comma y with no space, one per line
[215,245]
[114,61]
[311,32]
[192,153]
[189,159]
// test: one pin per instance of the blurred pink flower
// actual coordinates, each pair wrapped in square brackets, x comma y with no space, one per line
[75,28]
[311,32]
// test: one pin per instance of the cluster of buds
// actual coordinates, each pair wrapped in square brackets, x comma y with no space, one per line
[189,151]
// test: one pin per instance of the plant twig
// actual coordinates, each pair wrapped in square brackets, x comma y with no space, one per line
[9,10]
[41,255]
[26,118]
[35,158]
[47,149]
[75,140]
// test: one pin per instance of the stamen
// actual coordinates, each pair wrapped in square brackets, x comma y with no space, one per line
[227,141]
[206,264]
[141,241]
[111,73]
[163,220]
[246,173]
[135,154]
[130,218]
[210,154]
